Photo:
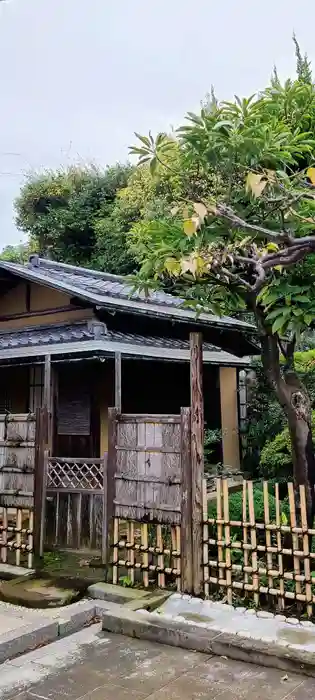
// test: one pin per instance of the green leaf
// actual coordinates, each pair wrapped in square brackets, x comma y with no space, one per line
[153,166]
[144,139]
[278,324]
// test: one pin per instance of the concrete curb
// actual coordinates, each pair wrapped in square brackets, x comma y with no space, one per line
[42,631]
[186,635]
[25,638]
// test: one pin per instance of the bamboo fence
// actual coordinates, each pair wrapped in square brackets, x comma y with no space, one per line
[146,554]
[267,559]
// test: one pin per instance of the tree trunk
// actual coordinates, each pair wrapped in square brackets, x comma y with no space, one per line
[295,401]
[300,428]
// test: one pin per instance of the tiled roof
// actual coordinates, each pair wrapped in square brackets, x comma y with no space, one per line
[111,291]
[73,334]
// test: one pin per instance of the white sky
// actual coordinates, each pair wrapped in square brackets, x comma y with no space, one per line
[78,77]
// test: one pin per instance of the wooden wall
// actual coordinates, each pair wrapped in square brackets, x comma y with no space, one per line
[24,306]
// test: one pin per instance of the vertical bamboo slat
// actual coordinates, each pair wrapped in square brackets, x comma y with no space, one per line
[295,537]
[131,539]
[57,518]
[145,556]
[205,541]
[30,539]
[4,551]
[115,550]
[220,528]
[306,551]
[18,536]
[253,538]
[245,529]
[159,543]
[279,547]
[268,534]
[227,532]
[178,560]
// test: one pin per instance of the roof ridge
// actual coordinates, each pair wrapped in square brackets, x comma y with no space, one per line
[42,326]
[36,262]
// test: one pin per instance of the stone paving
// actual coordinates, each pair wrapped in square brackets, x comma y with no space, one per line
[91,665]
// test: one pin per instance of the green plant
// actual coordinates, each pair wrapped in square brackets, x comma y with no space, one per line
[212,437]
[125,581]
[236,509]
[276,459]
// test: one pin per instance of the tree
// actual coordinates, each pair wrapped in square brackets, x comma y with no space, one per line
[70,215]
[248,242]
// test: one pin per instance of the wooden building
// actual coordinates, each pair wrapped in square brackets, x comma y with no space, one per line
[80,341]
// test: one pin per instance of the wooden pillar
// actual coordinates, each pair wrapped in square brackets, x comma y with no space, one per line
[118,381]
[186,504]
[197,455]
[48,401]
[229,418]
[40,480]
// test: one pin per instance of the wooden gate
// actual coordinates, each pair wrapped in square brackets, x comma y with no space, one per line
[149,497]
[17,463]
[75,514]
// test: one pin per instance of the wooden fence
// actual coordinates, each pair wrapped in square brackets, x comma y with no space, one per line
[264,558]
[75,513]
[17,464]
[149,498]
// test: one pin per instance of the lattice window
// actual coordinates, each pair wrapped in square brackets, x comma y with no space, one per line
[71,475]
[36,387]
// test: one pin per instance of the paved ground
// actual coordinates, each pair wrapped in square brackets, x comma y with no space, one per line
[93,666]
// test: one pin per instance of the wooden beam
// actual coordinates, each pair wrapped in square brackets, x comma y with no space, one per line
[197,454]
[48,400]
[229,418]
[40,480]
[118,381]
[186,503]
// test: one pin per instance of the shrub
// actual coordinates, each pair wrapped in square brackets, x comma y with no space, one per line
[275,458]
[236,509]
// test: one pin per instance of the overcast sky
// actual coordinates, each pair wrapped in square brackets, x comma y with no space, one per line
[78,77]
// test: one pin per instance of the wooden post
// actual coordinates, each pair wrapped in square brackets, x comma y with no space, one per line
[197,455]
[48,400]
[40,480]
[111,470]
[105,518]
[118,381]
[186,511]
[229,418]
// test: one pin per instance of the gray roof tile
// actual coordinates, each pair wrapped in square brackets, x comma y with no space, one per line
[112,291]
[42,336]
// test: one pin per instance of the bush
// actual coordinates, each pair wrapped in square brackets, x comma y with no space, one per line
[236,505]
[236,509]
[275,458]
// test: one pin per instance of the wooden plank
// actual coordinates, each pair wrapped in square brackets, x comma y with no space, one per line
[118,381]
[197,456]
[39,478]
[227,533]
[295,537]
[205,541]
[75,460]
[105,518]
[186,505]
[48,399]
[253,539]
[111,469]
[306,551]
[149,418]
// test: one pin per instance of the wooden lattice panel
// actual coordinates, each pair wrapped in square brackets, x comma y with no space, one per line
[82,475]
